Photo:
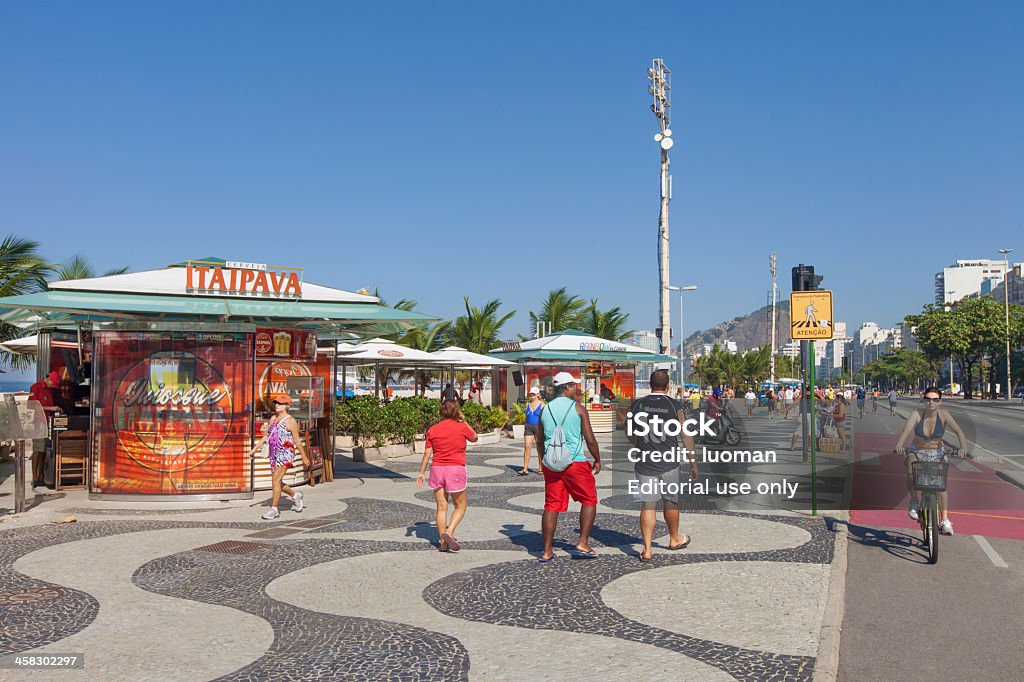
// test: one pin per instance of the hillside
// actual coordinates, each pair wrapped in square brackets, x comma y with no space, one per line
[748,331]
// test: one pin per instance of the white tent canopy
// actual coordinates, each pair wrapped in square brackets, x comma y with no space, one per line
[383,352]
[25,345]
[576,341]
[460,357]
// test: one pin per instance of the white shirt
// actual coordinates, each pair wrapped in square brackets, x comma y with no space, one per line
[750,396]
[789,395]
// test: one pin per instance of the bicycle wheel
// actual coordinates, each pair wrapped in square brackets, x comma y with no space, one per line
[933,529]
[922,519]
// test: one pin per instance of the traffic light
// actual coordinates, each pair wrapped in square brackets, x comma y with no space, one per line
[846,364]
[804,278]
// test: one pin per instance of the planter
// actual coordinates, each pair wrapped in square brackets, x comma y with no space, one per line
[487,438]
[344,442]
[420,446]
[518,431]
[362,454]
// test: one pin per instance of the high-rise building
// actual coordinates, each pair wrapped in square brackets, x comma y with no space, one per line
[1015,280]
[649,340]
[965,278]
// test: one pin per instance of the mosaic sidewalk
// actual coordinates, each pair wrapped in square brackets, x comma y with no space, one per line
[354,588]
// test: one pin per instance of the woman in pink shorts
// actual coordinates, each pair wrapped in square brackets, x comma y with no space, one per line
[446,442]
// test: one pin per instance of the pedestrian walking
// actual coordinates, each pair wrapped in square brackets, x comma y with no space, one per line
[893,397]
[658,477]
[577,480]
[861,397]
[751,399]
[533,409]
[787,401]
[771,402]
[445,450]
[281,434]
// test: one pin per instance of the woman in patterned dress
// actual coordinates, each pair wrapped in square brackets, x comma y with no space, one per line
[282,434]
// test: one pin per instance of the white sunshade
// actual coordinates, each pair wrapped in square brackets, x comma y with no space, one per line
[384,352]
[460,357]
[577,341]
[24,345]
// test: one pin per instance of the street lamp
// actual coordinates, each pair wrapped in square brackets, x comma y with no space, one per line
[682,367]
[1006,302]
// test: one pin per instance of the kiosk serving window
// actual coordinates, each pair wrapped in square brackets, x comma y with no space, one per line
[171,412]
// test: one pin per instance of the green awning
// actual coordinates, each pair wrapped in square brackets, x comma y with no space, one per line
[56,308]
[580,356]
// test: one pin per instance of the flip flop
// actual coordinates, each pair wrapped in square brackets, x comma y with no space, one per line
[682,545]
[453,544]
[646,559]
[544,561]
[592,554]
[522,472]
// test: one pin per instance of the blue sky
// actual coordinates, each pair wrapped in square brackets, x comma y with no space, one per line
[434,150]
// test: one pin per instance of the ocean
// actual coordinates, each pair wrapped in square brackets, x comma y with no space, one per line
[15,386]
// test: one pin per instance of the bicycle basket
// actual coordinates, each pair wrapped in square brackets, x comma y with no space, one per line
[930,476]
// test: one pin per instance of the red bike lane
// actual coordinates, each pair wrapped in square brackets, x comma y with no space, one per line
[980,502]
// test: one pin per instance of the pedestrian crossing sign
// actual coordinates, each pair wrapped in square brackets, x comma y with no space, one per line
[810,314]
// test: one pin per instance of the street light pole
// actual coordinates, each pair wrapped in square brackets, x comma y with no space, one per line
[661,90]
[682,366]
[1006,303]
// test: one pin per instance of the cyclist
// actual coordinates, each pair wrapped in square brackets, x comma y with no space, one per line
[928,428]
[861,396]
[874,400]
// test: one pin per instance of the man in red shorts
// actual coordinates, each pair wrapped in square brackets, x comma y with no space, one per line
[577,481]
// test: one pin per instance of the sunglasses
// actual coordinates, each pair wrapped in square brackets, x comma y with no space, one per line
[277,402]
[931,400]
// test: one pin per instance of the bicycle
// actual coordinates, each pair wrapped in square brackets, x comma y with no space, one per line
[930,478]
[874,405]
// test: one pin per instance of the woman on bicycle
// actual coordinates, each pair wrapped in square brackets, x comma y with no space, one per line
[928,428]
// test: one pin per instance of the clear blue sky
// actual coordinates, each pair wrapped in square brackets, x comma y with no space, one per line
[500,150]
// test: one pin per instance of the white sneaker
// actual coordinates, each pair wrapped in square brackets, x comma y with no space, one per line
[946,527]
[271,514]
[297,502]
[912,510]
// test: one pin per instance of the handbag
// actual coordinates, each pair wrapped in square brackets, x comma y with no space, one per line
[556,452]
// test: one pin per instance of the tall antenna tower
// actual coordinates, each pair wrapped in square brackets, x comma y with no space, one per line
[772,264]
[660,88]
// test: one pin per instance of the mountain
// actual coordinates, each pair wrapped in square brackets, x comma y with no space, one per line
[748,331]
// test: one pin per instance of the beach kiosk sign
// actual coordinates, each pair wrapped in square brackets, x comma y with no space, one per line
[811,315]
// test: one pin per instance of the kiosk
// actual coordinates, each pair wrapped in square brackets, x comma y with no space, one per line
[165,374]
[605,368]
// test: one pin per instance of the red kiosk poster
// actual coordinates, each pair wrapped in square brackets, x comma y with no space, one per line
[172,412]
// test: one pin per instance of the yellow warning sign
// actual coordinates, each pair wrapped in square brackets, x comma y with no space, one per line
[810,315]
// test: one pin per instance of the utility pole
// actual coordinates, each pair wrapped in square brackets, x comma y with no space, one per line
[1006,301]
[772,261]
[660,88]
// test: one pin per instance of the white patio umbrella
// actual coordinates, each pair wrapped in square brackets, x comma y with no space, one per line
[25,345]
[379,352]
[454,356]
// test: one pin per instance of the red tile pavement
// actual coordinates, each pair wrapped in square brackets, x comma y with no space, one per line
[980,502]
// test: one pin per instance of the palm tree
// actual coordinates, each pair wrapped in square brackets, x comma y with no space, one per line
[610,324]
[560,310]
[79,267]
[479,330]
[755,365]
[428,341]
[22,271]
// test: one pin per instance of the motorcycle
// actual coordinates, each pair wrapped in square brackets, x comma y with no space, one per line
[724,428]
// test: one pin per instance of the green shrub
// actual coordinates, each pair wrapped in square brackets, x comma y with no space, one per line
[373,422]
[518,415]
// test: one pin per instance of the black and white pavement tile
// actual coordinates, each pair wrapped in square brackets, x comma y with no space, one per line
[307,644]
[35,613]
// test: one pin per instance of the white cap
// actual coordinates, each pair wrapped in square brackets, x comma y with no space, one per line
[534,389]
[563,378]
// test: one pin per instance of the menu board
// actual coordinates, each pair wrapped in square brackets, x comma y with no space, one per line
[285,344]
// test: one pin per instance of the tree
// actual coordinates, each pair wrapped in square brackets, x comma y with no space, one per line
[610,324]
[756,365]
[427,340]
[479,330]
[79,267]
[971,329]
[22,271]
[561,310]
